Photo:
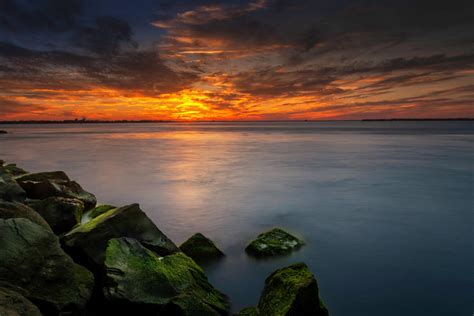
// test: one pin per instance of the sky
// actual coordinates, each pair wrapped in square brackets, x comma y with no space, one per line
[236,60]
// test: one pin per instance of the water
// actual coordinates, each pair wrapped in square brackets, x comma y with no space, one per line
[385,207]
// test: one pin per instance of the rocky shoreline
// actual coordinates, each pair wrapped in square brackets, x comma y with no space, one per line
[62,254]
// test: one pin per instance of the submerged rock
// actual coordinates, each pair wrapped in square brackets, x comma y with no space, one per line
[62,214]
[57,183]
[10,190]
[172,285]
[33,260]
[87,242]
[200,247]
[99,210]
[273,242]
[291,291]
[18,210]
[13,303]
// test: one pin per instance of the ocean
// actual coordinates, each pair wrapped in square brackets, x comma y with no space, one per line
[386,208]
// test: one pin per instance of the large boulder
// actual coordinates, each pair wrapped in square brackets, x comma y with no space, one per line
[18,210]
[62,214]
[87,242]
[57,183]
[291,291]
[273,242]
[199,247]
[173,285]
[32,259]
[10,190]
[13,303]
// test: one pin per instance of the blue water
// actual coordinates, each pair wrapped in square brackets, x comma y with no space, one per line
[386,208]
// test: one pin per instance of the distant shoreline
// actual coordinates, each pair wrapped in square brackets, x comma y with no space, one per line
[220,121]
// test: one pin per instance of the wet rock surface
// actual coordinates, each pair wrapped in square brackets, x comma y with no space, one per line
[199,247]
[273,243]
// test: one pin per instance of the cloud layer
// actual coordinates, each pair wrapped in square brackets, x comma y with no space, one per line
[259,59]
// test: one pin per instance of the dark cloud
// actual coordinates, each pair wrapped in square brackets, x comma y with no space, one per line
[51,15]
[136,71]
[106,37]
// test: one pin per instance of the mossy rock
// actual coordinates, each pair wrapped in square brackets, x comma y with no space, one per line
[249,311]
[19,210]
[291,291]
[13,303]
[99,210]
[33,260]
[48,184]
[62,214]
[10,190]
[87,242]
[173,285]
[199,247]
[272,243]
[13,169]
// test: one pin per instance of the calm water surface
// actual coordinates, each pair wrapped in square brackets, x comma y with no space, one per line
[386,208]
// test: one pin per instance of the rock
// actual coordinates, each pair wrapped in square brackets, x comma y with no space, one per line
[174,284]
[13,303]
[87,242]
[57,183]
[248,311]
[62,214]
[10,190]
[3,132]
[273,242]
[99,210]
[18,210]
[199,247]
[13,170]
[33,260]
[291,291]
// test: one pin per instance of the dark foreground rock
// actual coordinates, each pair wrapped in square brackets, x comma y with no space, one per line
[99,210]
[33,260]
[57,183]
[138,279]
[273,242]
[199,247]
[10,190]
[13,169]
[87,243]
[290,291]
[62,214]
[18,210]
[13,303]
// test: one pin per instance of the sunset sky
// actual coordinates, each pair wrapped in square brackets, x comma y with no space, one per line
[236,60]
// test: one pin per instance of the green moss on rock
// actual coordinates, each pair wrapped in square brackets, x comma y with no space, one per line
[200,247]
[291,291]
[99,210]
[87,242]
[249,311]
[33,260]
[273,242]
[174,283]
